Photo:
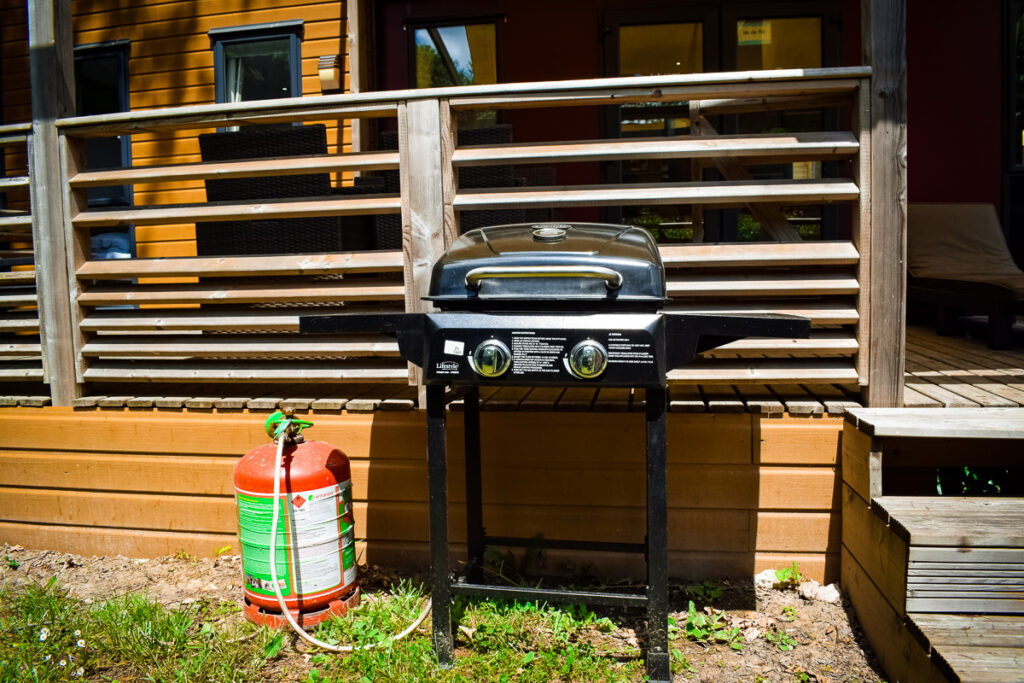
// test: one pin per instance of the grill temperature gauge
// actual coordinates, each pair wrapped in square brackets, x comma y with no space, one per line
[588,359]
[491,358]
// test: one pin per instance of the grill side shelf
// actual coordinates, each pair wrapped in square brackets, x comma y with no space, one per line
[408,328]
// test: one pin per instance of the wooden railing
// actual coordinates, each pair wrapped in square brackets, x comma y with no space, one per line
[257,299]
[20,348]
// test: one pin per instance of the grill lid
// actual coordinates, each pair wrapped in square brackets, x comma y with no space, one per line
[550,264]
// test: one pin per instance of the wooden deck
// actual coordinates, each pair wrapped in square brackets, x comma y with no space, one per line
[958,372]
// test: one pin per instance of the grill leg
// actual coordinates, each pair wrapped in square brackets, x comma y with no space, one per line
[437,472]
[474,492]
[658,668]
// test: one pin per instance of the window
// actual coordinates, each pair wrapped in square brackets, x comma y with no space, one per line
[257,62]
[460,54]
[101,87]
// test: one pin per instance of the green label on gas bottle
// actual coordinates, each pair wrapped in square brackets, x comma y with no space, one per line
[315,547]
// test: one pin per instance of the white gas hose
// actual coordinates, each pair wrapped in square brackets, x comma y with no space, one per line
[277,587]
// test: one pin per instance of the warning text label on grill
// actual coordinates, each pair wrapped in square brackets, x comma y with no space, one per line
[622,349]
[536,353]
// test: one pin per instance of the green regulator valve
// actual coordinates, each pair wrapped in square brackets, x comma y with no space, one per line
[285,423]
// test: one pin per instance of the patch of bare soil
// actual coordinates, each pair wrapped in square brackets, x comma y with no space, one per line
[826,645]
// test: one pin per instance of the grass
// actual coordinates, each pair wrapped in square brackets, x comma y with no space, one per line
[45,635]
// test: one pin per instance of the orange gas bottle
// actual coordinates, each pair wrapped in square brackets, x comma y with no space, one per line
[315,544]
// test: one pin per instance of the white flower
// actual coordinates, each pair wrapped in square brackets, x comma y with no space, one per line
[44,633]
[80,671]
[46,658]
[81,642]
[62,662]
[77,633]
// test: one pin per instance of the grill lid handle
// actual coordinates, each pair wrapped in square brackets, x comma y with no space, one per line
[612,278]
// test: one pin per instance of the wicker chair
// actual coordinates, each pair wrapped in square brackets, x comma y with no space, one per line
[276,235]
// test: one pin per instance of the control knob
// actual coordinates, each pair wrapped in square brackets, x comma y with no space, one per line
[588,359]
[491,358]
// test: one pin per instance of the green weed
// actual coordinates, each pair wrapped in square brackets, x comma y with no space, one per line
[706,628]
[790,577]
[780,639]
[789,613]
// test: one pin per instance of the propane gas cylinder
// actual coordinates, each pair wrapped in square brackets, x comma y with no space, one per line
[315,543]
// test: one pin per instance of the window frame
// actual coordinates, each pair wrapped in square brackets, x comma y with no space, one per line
[121,50]
[293,30]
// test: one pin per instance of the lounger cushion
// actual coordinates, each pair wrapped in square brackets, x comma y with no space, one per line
[960,242]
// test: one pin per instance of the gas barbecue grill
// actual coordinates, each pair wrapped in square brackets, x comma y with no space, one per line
[551,305]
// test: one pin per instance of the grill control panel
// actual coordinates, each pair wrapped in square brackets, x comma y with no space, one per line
[611,350]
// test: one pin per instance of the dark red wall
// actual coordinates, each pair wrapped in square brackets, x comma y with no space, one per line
[954,94]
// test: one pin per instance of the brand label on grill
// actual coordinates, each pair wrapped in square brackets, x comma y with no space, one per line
[454,348]
[447,367]
[536,353]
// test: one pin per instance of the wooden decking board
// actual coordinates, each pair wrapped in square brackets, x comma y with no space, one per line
[995,423]
[957,385]
[722,399]
[970,522]
[985,630]
[983,664]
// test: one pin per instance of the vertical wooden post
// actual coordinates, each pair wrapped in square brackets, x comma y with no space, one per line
[51,65]
[357,41]
[420,174]
[885,41]
[862,228]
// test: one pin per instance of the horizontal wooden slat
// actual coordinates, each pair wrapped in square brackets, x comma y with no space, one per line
[20,349]
[781,82]
[20,371]
[820,313]
[829,343]
[762,284]
[240,293]
[16,324]
[17,299]
[18,277]
[762,372]
[924,554]
[307,208]
[965,604]
[706,193]
[220,320]
[12,221]
[364,161]
[235,346]
[666,93]
[759,255]
[245,266]
[12,182]
[782,145]
[112,371]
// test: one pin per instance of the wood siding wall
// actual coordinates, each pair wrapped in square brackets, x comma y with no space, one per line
[745,492]
[171,64]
